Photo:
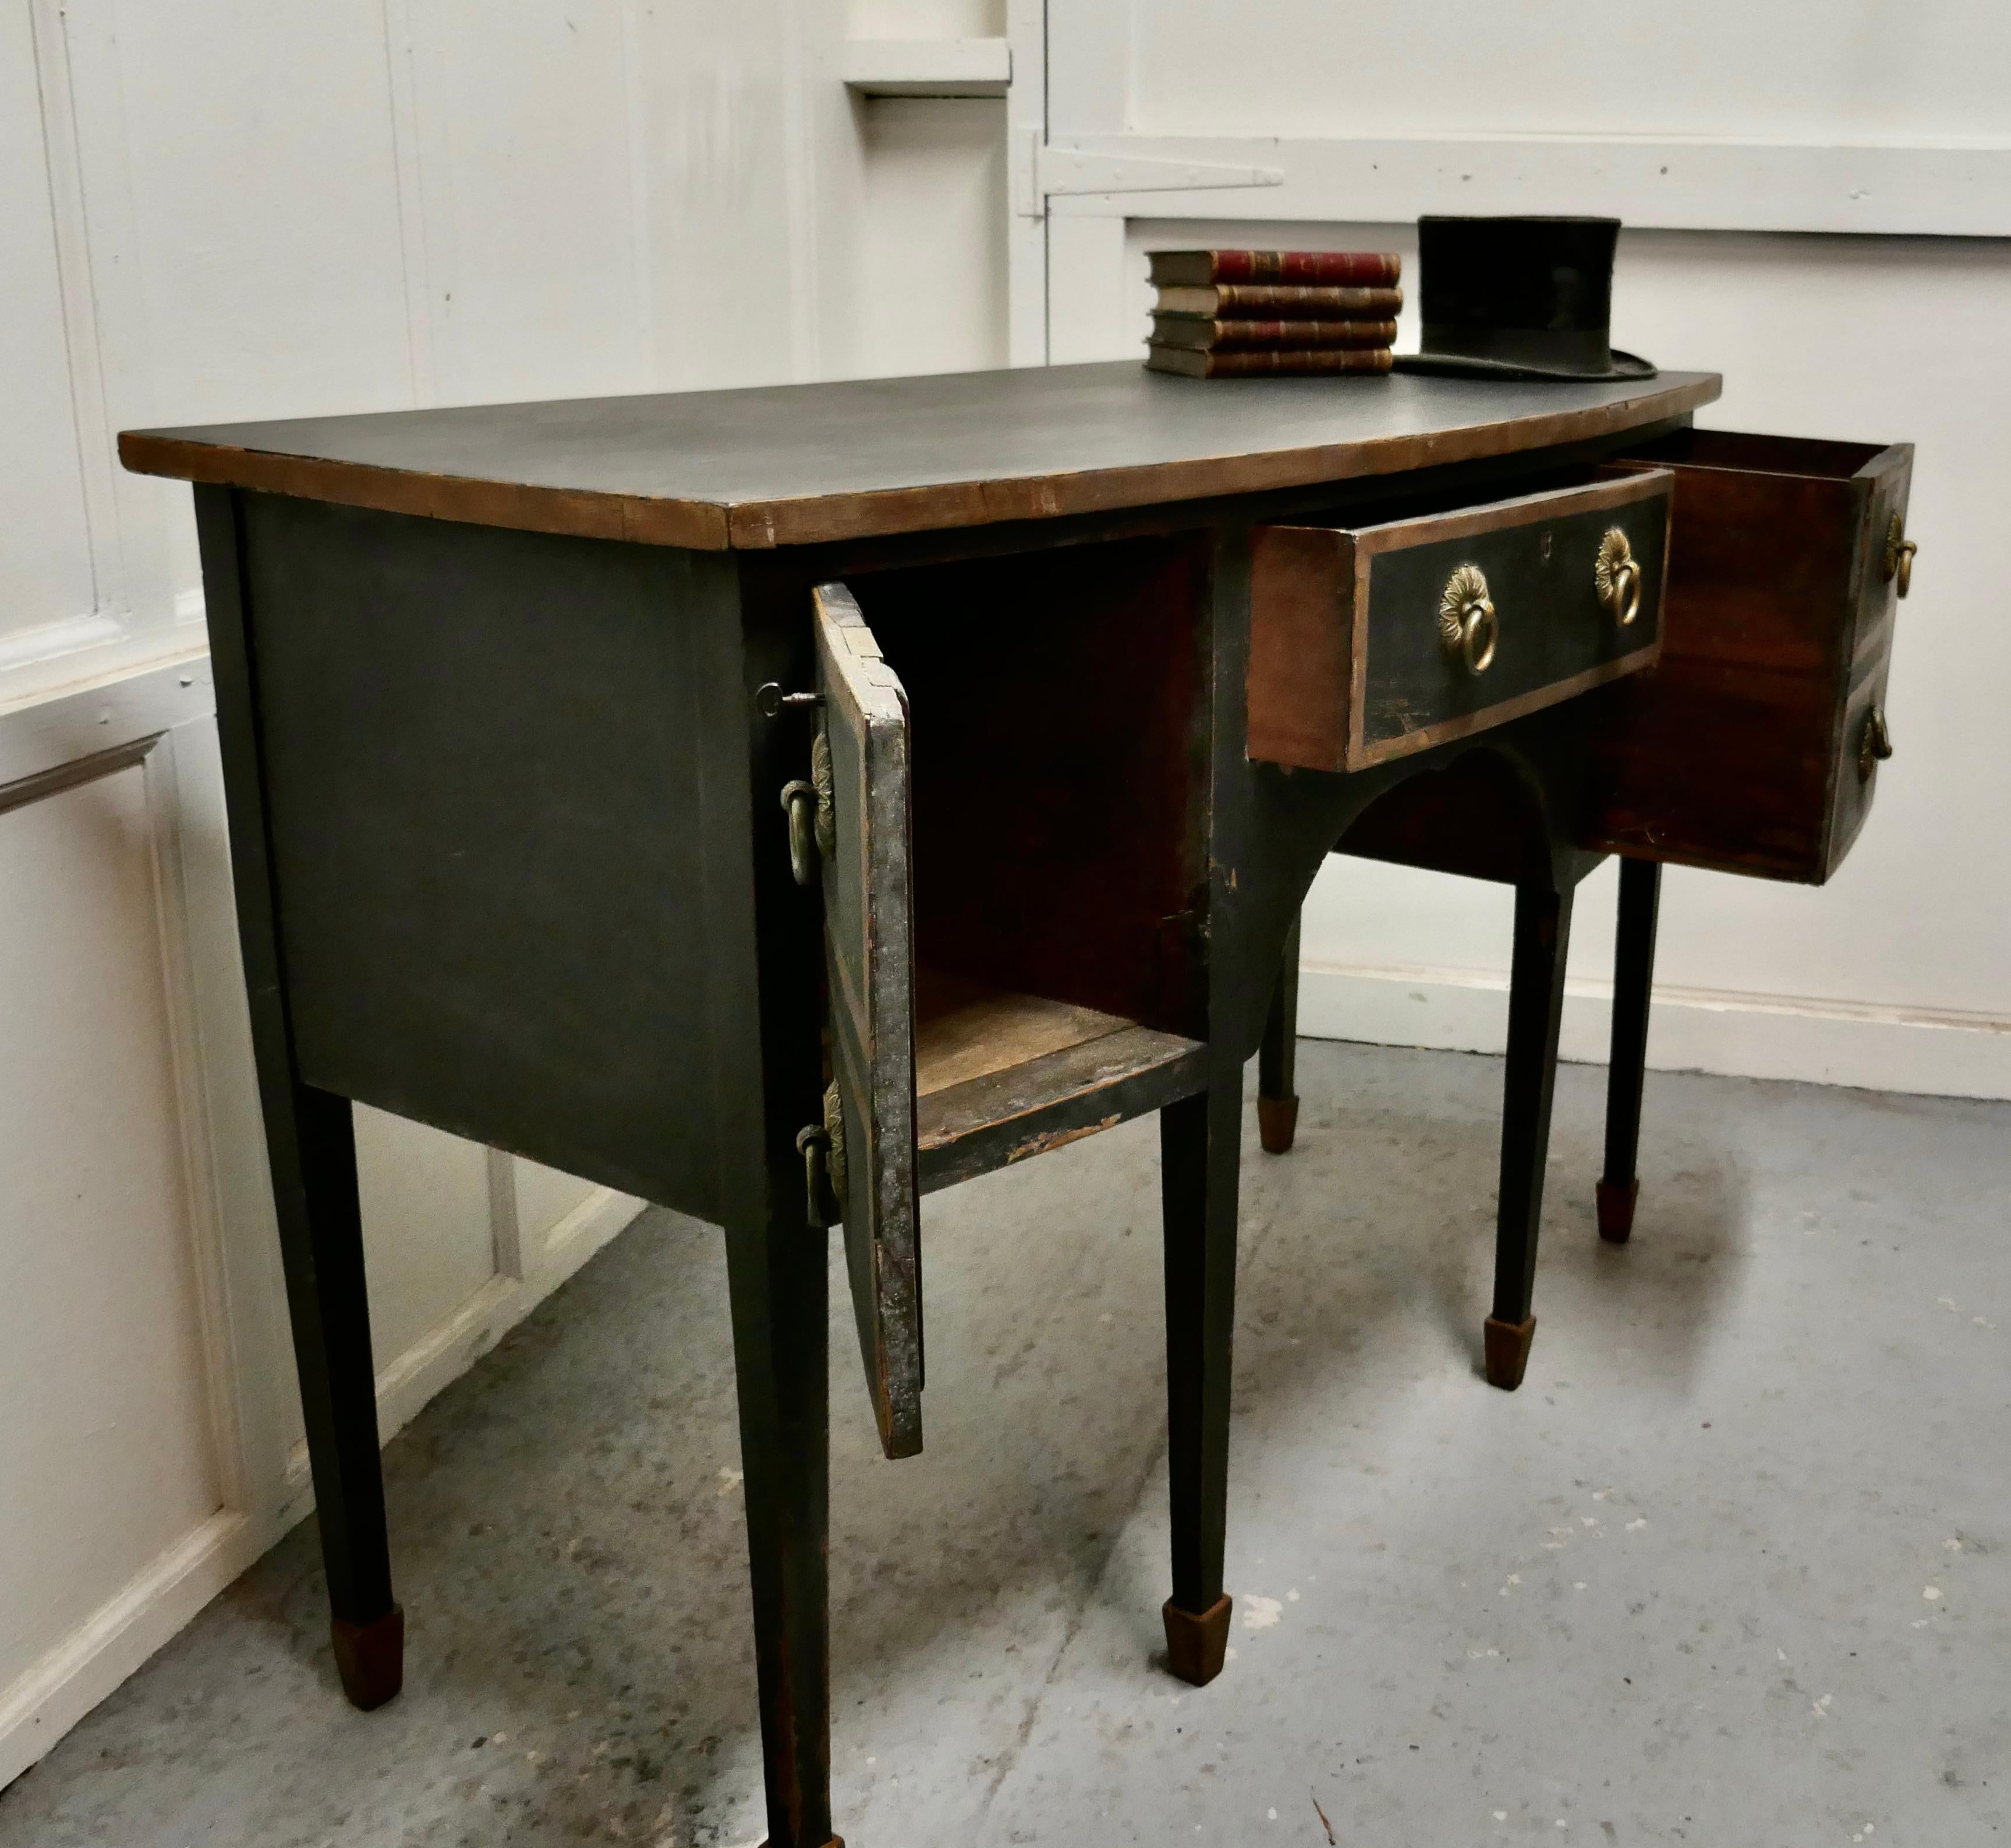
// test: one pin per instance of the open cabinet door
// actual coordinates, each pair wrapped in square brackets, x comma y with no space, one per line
[869,958]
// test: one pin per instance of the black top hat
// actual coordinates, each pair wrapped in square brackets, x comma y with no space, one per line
[1518,298]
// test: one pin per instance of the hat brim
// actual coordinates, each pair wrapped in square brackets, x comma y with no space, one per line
[1458,365]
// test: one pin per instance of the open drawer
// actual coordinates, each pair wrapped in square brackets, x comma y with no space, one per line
[1011,885]
[1373,641]
[1754,746]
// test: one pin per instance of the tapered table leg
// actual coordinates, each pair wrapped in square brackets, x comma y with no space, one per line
[1633,982]
[1277,1059]
[1536,1008]
[1199,1143]
[777,1276]
[310,1149]
[312,1142]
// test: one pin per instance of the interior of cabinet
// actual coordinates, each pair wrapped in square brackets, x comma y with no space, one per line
[966,1030]
[1058,712]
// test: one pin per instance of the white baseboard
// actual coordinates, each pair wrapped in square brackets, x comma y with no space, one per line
[448,1349]
[92,1660]
[1750,1036]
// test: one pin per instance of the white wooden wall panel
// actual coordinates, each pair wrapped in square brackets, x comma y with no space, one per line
[264,210]
[925,19]
[224,210]
[227,231]
[108,1449]
[729,249]
[220,210]
[1793,70]
[545,1200]
[428,1233]
[152,1446]
[1025,236]
[45,575]
[1889,116]
[940,164]
[532,279]
[83,158]
[1885,117]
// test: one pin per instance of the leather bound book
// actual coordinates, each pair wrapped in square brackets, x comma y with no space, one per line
[1196,331]
[1266,362]
[1281,301]
[1196,269]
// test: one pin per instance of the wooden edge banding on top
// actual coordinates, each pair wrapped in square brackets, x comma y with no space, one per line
[693,525]
[812,519]
[816,519]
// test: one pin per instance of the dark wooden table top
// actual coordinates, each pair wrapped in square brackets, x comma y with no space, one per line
[794,465]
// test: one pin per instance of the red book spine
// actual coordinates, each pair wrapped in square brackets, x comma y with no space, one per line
[1323,359]
[1269,360]
[1292,334]
[1358,269]
[1257,302]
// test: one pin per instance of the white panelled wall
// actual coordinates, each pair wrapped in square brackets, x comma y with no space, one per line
[152,1448]
[222,210]
[1724,153]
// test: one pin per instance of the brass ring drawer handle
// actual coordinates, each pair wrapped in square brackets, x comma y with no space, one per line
[1875,746]
[1616,576]
[1899,551]
[1468,624]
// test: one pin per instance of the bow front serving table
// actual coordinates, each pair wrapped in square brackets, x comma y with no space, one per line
[779,803]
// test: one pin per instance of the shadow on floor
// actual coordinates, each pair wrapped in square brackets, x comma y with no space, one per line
[567,1528]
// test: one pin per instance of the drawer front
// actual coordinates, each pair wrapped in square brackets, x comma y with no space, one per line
[1371,642]
[1744,750]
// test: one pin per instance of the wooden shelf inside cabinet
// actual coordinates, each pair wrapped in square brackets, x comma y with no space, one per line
[999,1076]
[927,66]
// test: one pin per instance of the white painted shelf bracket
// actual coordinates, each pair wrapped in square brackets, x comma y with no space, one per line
[1041,170]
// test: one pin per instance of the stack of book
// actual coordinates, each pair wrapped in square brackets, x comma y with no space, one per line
[1233,313]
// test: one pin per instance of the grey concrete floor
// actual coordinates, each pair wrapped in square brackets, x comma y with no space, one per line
[1734,1567]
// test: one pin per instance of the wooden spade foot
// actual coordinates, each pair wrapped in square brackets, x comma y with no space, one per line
[1616,1210]
[370,1657]
[1508,1351]
[1194,1645]
[1277,1122]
